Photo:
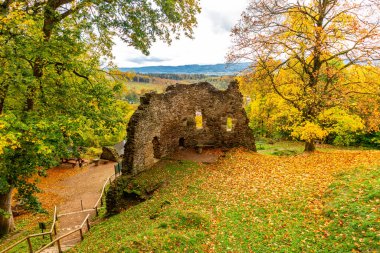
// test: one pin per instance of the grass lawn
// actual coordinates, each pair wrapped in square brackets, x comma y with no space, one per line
[328,201]
[26,226]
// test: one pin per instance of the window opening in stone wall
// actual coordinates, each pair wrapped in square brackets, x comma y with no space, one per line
[198,120]
[247,100]
[156,148]
[229,124]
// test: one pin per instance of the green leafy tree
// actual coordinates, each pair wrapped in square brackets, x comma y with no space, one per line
[54,97]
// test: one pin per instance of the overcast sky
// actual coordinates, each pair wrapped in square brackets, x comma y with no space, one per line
[210,45]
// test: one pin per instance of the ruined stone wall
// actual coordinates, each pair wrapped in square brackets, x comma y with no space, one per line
[163,122]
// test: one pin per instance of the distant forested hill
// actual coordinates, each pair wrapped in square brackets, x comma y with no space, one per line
[215,69]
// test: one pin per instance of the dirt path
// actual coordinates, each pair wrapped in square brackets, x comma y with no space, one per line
[85,186]
[75,192]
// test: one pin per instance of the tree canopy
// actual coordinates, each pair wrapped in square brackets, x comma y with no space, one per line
[317,56]
[56,93]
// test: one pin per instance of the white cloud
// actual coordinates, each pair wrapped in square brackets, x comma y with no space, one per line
[211,43]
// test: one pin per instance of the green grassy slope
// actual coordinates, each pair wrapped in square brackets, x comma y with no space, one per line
[323,202]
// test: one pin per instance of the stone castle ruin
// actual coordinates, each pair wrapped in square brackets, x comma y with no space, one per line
[190,116]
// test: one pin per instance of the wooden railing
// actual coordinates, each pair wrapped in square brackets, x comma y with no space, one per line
[55,218]
[52,230]
[58,240]
[100,200]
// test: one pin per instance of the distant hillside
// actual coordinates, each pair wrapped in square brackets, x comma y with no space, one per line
[215,69]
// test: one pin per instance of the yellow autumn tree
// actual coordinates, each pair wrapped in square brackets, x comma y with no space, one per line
[305,51]
[272,116]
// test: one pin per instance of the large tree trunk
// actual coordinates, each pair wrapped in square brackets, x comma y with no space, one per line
[309,146]
[38,67]
[32,88]
[3,94]
[6,223]
[1,105]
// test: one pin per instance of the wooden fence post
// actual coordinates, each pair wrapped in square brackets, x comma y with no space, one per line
[88,225]
[59,246]
[81,234]
[29,245]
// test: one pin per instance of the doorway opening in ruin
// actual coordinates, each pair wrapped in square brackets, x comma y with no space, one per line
[181,142]
[156,148]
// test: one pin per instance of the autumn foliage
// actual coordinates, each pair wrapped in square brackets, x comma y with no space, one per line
[314,73]
[249,202]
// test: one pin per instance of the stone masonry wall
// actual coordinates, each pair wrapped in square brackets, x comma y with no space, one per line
[163,122]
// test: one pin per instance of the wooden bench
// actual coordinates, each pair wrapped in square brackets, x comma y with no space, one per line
[96,161]
[199,147]
[74,161]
